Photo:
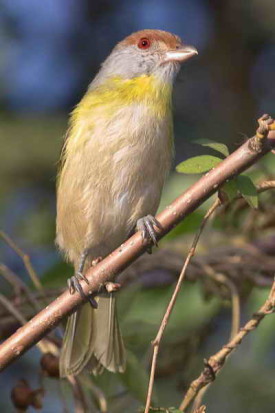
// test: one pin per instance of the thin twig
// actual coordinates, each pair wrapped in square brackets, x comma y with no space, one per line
[265,185]
[198,400]
[14,280]
[201,409]
[12,310]
[26,260]
[236,309]
[96,391]
[215,363]
[156,342]
[235,299]
[235,323]
[42,345]
[17,287]
[79,396]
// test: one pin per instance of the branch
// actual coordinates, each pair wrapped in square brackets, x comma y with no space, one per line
[42,345]
[26,260]
[235,323]
[14,280]
[215,363]
[265,186]
[235,298]
[172,302]
[251,263]
[249,153]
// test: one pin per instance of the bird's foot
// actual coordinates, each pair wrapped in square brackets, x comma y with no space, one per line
[74,285]
[147,227]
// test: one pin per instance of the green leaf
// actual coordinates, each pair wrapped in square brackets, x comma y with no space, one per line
[231,189]
[217,146]
[248,190]
[198,164]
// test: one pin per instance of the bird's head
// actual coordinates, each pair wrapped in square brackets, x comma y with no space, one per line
[147,52]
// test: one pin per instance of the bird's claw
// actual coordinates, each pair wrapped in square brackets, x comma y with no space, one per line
[81,276]
[147,226]
[74,285]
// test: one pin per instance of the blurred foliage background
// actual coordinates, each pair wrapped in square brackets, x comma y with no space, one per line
[49,53]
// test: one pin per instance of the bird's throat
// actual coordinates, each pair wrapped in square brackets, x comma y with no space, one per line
[116,93]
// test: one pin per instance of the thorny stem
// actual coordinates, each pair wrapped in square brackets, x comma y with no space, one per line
[262,187]
[219,277]
[235,299]
[215,363]
[156,342]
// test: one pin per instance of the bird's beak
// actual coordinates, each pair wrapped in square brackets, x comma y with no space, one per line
[180,55]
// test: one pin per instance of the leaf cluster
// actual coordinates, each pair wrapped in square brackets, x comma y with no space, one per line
[241,185]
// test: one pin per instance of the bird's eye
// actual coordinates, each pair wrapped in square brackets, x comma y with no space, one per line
[144,43]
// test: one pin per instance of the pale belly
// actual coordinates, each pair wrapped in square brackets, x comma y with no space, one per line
[119,180]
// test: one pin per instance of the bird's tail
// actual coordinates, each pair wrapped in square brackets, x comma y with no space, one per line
[93,340]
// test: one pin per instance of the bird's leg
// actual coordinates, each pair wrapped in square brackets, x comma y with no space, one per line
[74,284]
[79,273]
[147,227]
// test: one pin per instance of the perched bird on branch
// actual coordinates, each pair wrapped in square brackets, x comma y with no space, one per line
[114,162]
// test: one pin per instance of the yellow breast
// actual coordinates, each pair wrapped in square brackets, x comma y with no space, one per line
[117,92]
[108,101]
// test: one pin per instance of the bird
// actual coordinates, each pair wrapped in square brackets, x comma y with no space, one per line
[115,159]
